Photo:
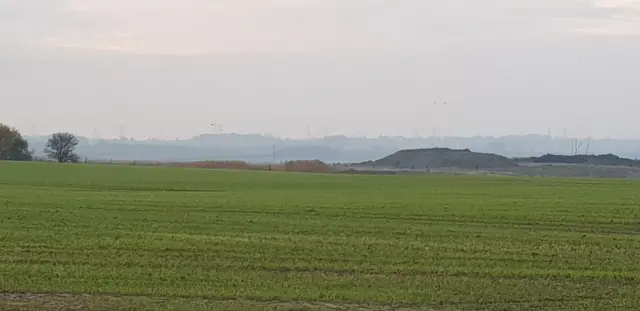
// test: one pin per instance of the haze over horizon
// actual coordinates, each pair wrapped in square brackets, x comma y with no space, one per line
[170,68]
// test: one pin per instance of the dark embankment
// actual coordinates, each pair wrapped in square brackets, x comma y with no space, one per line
[603,159]
[441,158]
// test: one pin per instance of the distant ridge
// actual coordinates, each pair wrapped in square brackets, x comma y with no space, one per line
[602,159]
[256,148]
[442,158]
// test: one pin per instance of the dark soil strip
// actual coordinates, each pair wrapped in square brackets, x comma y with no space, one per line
[63,301]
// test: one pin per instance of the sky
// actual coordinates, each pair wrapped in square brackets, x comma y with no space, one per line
[171,68]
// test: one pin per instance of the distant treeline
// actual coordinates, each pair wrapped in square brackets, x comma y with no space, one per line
[603,159]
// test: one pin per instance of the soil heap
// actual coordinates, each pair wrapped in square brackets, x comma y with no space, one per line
[602,159]
[442,158]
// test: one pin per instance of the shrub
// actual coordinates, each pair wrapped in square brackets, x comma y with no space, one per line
[307,166]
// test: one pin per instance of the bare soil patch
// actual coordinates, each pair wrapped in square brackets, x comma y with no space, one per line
[67,301]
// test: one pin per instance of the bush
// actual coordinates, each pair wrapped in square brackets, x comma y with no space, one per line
[307,166]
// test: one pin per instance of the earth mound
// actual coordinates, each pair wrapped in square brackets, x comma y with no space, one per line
[442,158]
[602,159]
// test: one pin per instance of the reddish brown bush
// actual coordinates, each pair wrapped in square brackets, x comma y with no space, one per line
[315,166]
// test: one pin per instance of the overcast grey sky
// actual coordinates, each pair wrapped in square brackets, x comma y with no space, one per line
[170,68]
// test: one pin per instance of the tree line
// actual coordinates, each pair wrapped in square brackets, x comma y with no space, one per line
[60,146]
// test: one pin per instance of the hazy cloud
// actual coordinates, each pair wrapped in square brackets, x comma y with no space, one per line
[365,66]
[202,26]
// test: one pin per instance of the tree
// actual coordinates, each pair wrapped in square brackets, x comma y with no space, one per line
[61,147]
[13,146]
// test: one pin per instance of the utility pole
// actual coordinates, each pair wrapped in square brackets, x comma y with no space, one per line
[440,116]
[121,131]
[274,153]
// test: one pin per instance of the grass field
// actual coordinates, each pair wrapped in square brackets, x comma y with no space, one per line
[96,237]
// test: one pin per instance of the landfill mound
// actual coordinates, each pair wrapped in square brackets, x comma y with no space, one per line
[442,158]
[602,159]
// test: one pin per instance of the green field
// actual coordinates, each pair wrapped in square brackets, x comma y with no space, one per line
[107,237]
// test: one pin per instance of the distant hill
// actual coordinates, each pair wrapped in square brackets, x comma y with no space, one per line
[442,158]
[257,148]
[603,159]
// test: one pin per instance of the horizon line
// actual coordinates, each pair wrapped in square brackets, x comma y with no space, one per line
[131,138]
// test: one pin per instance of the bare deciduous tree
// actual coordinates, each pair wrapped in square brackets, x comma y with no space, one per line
[12,145]
[61,147]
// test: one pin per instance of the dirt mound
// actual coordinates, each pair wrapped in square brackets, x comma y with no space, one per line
[442,158]
[603,159]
